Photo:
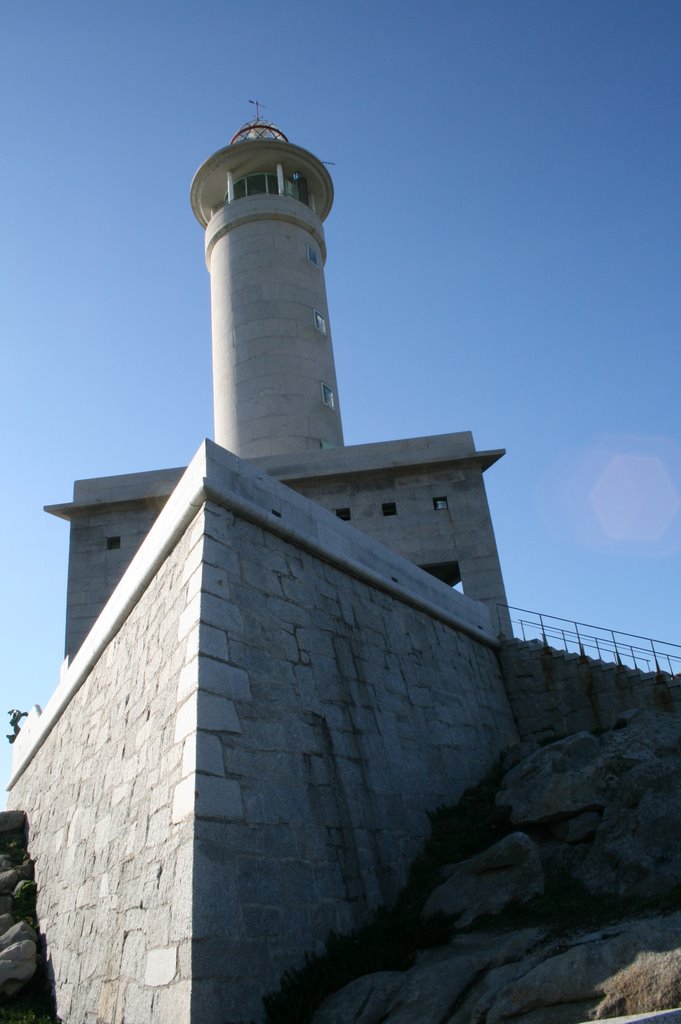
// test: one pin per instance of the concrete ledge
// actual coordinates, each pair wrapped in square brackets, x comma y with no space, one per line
[408,454]
[216,475]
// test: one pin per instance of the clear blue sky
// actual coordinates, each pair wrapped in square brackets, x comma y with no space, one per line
[504,257]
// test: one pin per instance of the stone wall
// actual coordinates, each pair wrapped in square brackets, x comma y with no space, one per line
[112,869]
[554,693]
[242,755]
[351,714]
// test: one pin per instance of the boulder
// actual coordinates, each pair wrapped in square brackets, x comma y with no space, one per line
[522,977]
[18,964]
[6,922]
[567,985]
[508,871]
[8,880]
[12,821]
[619,792]
[555,782]
[576,830]
[19,932]
[363,1001]
[427,992]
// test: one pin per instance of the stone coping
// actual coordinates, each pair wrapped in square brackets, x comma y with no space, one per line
[217,475]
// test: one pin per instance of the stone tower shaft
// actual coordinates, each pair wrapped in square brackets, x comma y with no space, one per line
[262,201]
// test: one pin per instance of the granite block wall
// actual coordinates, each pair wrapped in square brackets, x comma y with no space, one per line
[554,693]
[113,869]
[331,716]
[250,760]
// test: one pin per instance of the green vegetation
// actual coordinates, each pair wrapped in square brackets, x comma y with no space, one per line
[23,904]
[33,1005]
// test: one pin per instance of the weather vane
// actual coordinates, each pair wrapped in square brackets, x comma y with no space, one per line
[257,104]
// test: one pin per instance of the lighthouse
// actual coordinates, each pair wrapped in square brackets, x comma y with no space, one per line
[262,202]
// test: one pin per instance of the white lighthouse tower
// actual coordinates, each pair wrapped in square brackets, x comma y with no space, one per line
[262,202]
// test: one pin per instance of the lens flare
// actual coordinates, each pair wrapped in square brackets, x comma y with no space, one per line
[621,494]
[634,498]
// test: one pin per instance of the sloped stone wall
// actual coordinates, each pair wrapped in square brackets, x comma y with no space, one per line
[554,693]
[113,870]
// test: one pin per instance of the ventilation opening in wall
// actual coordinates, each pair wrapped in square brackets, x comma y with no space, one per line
[389,508]
[343,513]
[440,504]
[448,572]
[113,543]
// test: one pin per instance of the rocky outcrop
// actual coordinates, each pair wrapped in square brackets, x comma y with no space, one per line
[606,809]
[509,871]
[523,977]
[599,809]
[18,940]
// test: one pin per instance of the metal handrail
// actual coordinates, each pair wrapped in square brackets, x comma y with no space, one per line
[602,643]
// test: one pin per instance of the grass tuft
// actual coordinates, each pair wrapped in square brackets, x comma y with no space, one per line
[33,1005]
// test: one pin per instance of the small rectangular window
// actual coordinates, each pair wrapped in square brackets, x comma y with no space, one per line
[327,396]
[440,503]
[344,514]
[312,255]
[113,543]
[389,508]
[319,321]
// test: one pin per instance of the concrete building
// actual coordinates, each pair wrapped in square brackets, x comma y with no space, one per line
[262,201]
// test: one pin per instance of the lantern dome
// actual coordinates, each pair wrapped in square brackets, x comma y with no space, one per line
[258,129]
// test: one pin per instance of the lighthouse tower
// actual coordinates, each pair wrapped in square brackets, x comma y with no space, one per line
[262,201]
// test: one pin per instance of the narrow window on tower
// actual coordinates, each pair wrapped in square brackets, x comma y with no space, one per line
[113,543]
[312,255]
[344,514]
[327,396]
[389,508]
[319,321]
[440,503]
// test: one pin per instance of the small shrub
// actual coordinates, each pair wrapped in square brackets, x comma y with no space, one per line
[23,904]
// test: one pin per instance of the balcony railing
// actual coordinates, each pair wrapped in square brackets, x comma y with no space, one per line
[604,644]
